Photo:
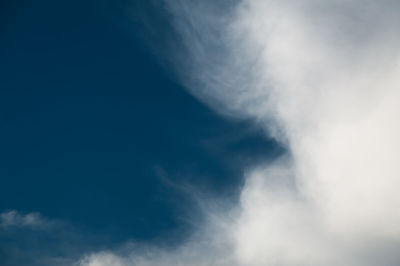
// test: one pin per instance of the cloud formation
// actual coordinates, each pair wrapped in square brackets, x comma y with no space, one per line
[323,78]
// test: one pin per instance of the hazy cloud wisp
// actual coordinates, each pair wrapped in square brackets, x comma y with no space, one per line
[33,220]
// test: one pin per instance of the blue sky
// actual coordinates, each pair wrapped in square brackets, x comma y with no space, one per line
[94,130]
[199,132]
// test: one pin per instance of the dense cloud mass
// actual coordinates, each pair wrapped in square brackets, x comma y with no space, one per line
[322,77]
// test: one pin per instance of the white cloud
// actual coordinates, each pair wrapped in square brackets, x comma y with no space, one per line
[323,77]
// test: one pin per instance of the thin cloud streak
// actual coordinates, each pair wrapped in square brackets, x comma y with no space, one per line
[33,220]
[322,77]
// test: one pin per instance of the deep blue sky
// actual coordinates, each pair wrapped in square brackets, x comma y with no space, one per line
[92,126]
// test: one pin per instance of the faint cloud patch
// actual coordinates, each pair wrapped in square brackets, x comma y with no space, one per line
[31,239]
[33,220]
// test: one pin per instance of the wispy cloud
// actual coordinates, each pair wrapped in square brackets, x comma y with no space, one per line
[33,239]
[34,220]
[323,78]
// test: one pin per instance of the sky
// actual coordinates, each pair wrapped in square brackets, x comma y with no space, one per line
[172,132]
[98,137]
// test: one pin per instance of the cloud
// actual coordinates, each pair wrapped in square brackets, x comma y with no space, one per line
[13,218]
[32,239]
[322,77]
